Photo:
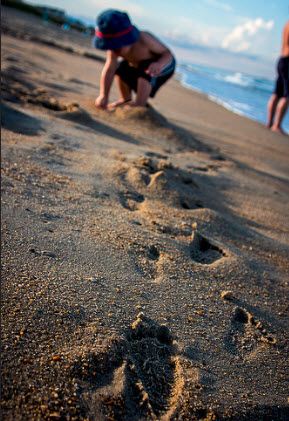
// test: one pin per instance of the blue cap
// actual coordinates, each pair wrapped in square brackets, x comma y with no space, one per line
[114,30]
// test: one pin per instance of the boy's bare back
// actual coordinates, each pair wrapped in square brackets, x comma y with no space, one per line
[147,47]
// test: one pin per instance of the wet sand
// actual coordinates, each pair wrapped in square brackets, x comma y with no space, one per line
[144,252]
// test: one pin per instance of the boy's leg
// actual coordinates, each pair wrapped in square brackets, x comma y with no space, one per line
[125,93]
[272,104]
[144,89]
[280,113]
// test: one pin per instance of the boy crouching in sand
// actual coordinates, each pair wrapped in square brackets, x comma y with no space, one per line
[147,64]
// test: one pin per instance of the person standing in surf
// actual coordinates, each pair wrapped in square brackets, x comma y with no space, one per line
[278,103]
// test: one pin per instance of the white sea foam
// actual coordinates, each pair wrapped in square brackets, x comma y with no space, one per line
[228,105]
[194,88]
[236,79]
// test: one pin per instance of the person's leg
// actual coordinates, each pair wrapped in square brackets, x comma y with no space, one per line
[282,106]
[124,93]
[276,95]
[279,114]
[144,89]
[126,79]
[272,104]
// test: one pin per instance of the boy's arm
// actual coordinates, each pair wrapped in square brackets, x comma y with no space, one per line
[156,47]
[106,79]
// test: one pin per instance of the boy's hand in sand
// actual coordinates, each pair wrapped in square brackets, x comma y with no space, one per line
[101,102]
[154,69]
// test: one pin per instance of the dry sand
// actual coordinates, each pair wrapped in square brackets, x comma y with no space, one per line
[144,253]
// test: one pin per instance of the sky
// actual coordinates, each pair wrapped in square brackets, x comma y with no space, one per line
[237,35]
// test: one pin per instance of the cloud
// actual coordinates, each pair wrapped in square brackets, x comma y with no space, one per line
[187,32]
[219,5]
[241,36]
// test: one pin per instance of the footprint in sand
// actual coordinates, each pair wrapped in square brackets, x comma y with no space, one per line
[158,179]
[246,334]
[169,183]
[131,200]
[148,259]
[203,251]
[138,377]
[153,253]
[191,203]
[156,155]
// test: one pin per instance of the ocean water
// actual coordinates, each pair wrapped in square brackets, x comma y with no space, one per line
[240,93]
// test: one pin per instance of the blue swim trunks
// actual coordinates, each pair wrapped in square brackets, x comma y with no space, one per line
[130,74]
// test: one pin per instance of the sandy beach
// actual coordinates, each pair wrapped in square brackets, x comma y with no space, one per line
[144,252]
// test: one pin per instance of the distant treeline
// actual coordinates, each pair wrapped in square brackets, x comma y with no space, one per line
[55,15]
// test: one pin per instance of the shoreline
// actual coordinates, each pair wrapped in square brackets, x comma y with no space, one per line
[226,102]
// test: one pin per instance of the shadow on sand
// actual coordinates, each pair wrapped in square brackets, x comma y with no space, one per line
[26,124]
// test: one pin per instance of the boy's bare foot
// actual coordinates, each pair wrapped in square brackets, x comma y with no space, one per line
[118,103]
[278,130]
[132,104]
